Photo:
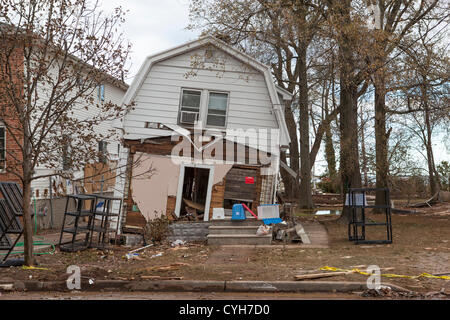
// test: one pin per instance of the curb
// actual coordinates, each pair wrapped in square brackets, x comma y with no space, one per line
[197,286]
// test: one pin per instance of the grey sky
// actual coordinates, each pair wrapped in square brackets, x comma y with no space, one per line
[152,26]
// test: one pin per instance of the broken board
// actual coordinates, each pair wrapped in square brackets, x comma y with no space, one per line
[302,234]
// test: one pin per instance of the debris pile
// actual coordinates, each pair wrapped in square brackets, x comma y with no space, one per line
[289,232]
[386,292]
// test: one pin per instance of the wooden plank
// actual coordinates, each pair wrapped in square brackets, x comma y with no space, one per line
[217,196]
[194,205]
[160,278]
[173,266]
[322,275]
[135,219]
[302,234]
[288,169]
[170,208]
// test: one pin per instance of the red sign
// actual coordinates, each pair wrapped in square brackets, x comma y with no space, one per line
[249,180]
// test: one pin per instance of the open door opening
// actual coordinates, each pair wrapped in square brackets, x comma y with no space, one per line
[195,192]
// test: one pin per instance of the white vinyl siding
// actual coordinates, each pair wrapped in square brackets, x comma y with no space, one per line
[158,99]
[108,93]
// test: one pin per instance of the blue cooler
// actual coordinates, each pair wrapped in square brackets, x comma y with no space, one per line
[238,212]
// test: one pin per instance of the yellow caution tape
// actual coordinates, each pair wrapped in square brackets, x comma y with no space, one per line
[388,275]
[33,268]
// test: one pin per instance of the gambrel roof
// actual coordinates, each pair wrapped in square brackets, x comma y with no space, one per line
[274,91]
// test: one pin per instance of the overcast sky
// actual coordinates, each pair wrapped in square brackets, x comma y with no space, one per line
[152,26]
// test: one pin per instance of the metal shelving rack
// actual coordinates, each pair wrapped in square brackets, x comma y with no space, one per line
[103,212]
[358,202]
[77,229]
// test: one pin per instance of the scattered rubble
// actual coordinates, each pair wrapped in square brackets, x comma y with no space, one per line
[177,243]
[386,292]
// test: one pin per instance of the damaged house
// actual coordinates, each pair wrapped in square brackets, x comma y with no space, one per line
[205,133]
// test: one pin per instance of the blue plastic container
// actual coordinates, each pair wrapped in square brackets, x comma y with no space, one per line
[238,212]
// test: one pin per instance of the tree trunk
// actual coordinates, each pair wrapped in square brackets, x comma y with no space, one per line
[26,203]
[330,155]
[432,172]
[27,224]
[381,139]
[349,157]
[290,183]
[363,151]
[305,199]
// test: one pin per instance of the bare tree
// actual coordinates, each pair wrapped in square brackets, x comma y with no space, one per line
[394,20]
[55,54]
[279,33]
[423,87]
[350,34]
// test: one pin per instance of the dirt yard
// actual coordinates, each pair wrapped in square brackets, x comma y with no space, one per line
[421,243]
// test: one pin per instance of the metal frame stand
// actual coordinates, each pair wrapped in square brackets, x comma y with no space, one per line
[103,213]
[77,245]
[358,220]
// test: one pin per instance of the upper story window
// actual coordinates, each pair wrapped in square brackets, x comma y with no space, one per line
[217,109]
[2,148]
[209,107]
[101,93]
[190,106]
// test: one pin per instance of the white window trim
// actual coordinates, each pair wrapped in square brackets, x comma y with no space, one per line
[203,108]
[181,105]
[101,93]
[226,110]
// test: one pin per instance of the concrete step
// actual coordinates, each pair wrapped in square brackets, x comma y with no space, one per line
[239,239]
[229,222]
[249,230]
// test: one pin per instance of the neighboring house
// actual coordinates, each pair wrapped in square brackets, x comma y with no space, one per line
[112,90]
[205,133]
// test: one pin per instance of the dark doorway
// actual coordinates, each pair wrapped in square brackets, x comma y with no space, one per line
[195,191]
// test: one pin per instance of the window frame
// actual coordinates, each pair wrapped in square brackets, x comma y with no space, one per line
[101,93]
[226,110]
[181,106]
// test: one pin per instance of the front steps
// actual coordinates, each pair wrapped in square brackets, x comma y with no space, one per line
[241,230]
[228,232]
